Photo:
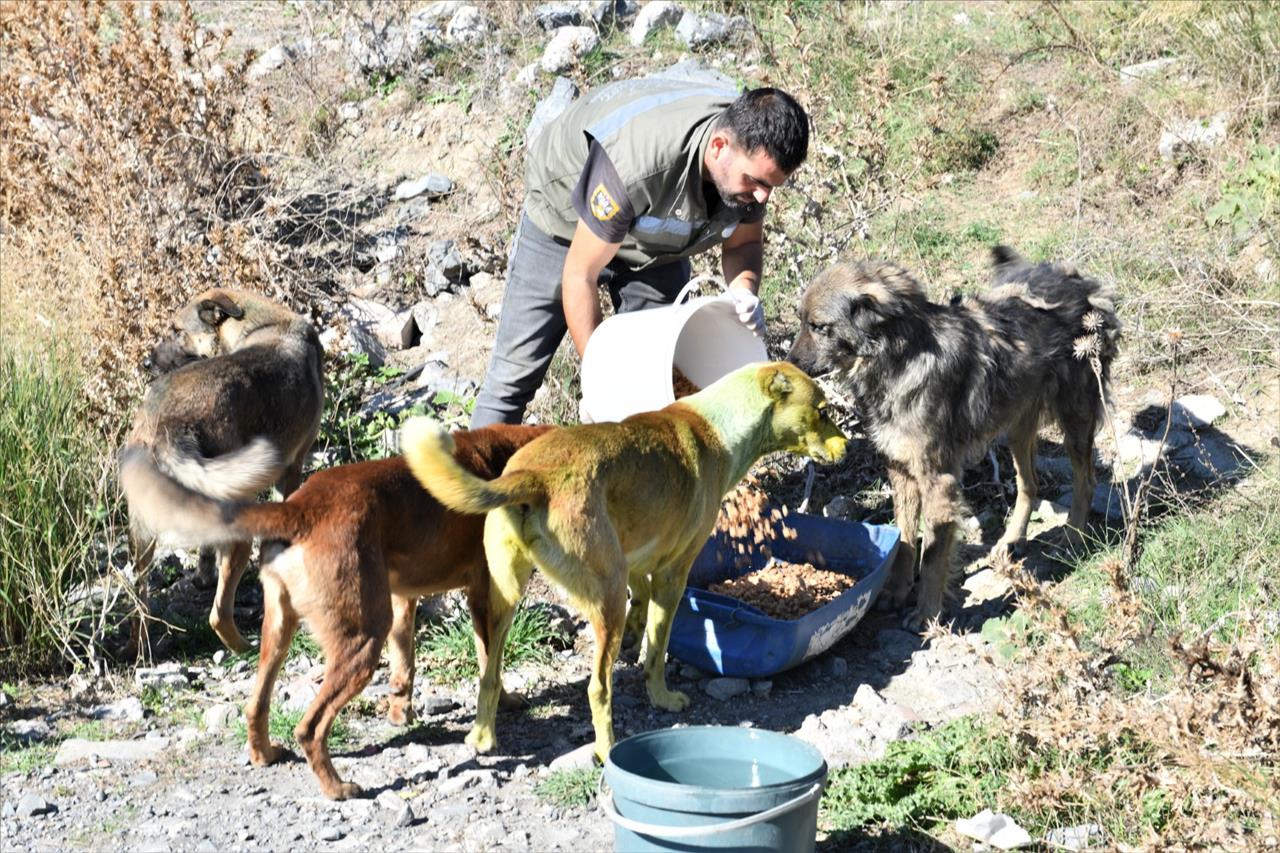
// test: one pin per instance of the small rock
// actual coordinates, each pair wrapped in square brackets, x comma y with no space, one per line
[552,16]
[1197,411]
[696,30]
[654,15]
[330,833]
[434,706]
[219,717]
[761,688]
[835,667]
[1131,74]
[143,778]
[219,656]
[1182,137]
[581,758]
[1080,837]
[78,749]
[349,112]
[449,787]
[33,805]
[837,507]
[29,731]
[128,709]
[434,185]
[268,62]
[725,689]
[566,47]
[998,830]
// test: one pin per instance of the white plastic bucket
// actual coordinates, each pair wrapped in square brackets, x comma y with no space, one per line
[627,365]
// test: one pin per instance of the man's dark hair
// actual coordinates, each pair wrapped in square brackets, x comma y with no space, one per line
[769,119]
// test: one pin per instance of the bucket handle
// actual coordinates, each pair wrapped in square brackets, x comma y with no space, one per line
[657,831]
[696,282]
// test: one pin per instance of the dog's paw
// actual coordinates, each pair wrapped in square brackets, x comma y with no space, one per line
[668,700]
[344,791]
[917,621]
[400,714]
[481,739]
[267,755]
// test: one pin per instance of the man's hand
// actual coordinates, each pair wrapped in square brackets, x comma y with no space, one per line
[579,293]
[749,309]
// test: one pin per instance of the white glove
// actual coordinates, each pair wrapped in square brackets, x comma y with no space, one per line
[749,309]
[583,415]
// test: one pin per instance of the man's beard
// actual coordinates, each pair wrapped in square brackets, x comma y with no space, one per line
[730,200]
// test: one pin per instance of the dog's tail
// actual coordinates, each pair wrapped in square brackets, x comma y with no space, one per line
[239,474]
[428,448]
[163,508]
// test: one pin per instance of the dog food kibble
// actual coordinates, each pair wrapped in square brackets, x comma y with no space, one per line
[786,590]
[747,520]
[681,384]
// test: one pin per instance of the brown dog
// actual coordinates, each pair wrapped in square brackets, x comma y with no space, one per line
[234,412]
[600,506]
[936,383]
[360,545]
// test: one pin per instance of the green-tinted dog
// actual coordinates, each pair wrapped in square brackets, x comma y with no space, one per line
[601,505]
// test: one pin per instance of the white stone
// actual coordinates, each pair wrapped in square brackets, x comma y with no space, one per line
[654,15]
[467,26]
[268,62]
[1130,74]
[998,830]
[579,759]
[220,716]
[566,47]
[1197,411]
[128,709]
[1181,136]
[77,749]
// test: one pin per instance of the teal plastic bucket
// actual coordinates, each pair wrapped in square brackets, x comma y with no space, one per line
[714,788]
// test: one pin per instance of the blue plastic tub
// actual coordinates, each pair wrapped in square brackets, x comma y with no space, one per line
[720,634]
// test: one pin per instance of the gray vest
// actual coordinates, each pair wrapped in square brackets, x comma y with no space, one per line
[655,132]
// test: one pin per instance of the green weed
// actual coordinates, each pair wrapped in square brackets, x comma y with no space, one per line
[569,787]
[952,771]
[57,500]
[450,646]
[1251,193]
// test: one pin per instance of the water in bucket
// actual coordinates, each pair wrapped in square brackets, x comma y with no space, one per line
[627,365]
[714,788]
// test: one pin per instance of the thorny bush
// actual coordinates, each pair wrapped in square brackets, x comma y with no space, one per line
[122,178]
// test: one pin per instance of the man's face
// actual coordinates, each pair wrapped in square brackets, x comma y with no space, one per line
[741,178]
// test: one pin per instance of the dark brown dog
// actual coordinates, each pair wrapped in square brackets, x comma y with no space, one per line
[235,412]
[357,546]
[936,383]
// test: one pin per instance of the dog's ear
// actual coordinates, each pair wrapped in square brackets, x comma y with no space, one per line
[217,308]
[779,384]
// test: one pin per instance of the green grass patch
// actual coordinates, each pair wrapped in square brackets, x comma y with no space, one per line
[57,497]
[449,647]
[952,771]
[569,787]
[280,726]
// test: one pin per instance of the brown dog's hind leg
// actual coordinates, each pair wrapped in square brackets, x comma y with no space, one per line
[279,622]
[607,612]
[400,653]
[232,561]
[941,502]
[1022,443]
[906,514]
[352,649]
[478,604]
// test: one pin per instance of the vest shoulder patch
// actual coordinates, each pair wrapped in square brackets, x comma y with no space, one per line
[603,206]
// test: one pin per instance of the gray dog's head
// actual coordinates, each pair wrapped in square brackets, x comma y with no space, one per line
[846,310]
[200,330]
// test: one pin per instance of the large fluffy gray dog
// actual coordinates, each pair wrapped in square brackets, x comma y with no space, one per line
[936,383]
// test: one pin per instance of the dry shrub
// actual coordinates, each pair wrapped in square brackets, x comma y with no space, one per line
[122,179]
[1195,768]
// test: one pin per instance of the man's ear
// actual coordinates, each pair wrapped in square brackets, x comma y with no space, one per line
[217,308]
